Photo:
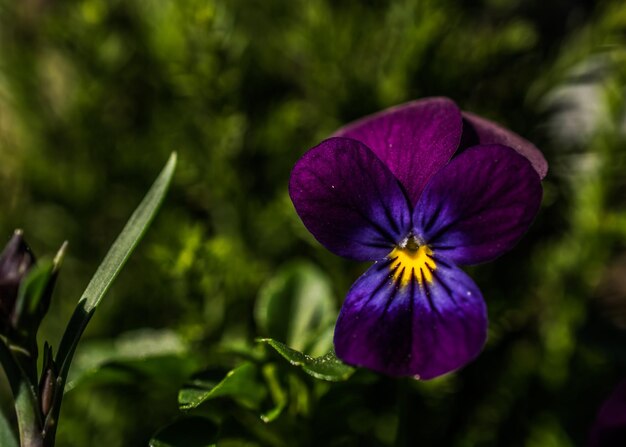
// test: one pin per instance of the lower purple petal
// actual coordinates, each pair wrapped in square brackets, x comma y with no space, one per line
[422,328]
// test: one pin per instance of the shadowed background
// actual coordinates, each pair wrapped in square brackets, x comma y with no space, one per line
[95,94]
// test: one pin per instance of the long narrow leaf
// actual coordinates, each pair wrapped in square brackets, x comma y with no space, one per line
[112,264]
[105,274]
[128,238]
[7,437]
[24,394]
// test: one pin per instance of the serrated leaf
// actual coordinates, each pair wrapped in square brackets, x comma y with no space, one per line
[327,367]
[297,306]
[7,437]
[188,432]
[241,384]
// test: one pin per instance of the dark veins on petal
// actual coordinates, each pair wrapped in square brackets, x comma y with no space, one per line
[425,329]
[349,200]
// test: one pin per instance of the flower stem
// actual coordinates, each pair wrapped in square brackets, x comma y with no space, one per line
[28,416]
[25,395]
[403,435]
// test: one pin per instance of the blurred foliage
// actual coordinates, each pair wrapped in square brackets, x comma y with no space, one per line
[190,432]
[297,307]
[95,94]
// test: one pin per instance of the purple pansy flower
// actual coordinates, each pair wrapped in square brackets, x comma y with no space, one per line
[609,429]
[420,189]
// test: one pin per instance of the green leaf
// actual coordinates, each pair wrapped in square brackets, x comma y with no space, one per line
[105,274]
[33,299]
[327,367]
[33,287]
[297,306]
[7,437]
[111,265]
[279,396]
[25,395]
[155,354]
[237,442]
[241,384]
[128,239]
[188,432]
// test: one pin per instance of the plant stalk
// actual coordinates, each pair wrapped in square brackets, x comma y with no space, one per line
[24,394]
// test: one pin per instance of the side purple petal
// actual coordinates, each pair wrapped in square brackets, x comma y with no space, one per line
[422,330]
[414,139]
[480,131]
[609,429]
[349,200]
[479,205]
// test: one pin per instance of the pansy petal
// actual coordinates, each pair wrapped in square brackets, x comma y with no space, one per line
[349,200]
[479,205]
[414,139]
[480,131]
[424,327]
[609,428]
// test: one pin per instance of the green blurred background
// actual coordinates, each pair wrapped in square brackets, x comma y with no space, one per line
[95,94]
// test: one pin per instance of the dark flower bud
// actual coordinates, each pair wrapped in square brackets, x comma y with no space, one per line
[48,384]
[15,262]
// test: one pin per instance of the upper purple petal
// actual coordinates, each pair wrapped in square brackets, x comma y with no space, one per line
[609,429]
[415,329]
[480,131]
[479,205]
[414,139]
[349,200]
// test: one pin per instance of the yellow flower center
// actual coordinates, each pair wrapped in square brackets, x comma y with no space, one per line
[411,260]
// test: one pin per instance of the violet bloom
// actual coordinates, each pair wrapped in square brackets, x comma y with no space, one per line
[420,189]
[16,260]
[609,429]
